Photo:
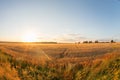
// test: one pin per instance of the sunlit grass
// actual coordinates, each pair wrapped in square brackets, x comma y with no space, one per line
[67,62]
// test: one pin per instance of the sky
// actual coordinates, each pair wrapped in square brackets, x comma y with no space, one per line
[60,20]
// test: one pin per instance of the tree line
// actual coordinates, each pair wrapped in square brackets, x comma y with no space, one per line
[96,41]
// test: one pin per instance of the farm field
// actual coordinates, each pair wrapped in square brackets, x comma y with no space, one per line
[33,61]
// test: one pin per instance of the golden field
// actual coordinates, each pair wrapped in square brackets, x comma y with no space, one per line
[34,61]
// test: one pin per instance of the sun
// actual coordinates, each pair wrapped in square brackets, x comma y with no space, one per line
[29,37]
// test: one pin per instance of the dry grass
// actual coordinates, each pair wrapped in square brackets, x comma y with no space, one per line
[62,61]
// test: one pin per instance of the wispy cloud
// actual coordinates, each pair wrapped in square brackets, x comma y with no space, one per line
[63,38]
[70,38]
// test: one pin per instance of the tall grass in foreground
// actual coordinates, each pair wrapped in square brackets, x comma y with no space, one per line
[104,69]
[68,62]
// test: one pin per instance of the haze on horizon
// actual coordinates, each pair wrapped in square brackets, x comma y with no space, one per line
[59,20]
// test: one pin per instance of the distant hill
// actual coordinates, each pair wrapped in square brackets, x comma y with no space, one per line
[29,42]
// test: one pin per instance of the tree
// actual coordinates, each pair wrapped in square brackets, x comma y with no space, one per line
[96,41]
[90,41]
[85,41]
[112,41]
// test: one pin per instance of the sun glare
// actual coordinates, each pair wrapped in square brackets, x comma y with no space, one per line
[29,37]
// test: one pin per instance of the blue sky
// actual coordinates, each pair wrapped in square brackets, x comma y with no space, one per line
[60,20]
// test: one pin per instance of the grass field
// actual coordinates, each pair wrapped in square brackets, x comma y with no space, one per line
[30,61]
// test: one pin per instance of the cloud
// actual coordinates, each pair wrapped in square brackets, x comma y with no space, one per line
[70,38]
[63,38]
